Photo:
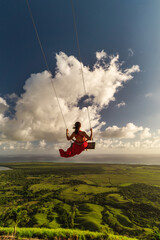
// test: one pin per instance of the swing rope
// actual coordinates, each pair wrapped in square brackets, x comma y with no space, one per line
[79,54]
[45,60]
[46,63]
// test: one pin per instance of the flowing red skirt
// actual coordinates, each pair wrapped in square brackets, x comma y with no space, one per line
[73,150]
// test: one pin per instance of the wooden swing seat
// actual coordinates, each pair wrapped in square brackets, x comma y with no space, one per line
[91,145]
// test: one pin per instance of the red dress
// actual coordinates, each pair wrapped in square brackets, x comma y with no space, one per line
[74,149]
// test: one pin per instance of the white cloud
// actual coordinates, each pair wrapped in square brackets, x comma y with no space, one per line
[38,116]
[101,55]
[121,104]
[128,131]
[11,146]
[123,146]
[3,105]
[150,144]
[28,146]
[42,144]
[145,133]
[113,145]
[3,120]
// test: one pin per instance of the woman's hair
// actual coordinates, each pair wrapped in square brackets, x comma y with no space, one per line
[77,126]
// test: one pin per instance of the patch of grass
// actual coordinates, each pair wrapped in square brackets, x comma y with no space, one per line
[115,216]
[125,184]
[94,189]
[44,186]
[43,233]
[83,192]
[114,237]
[90,217]
[72,194]
[115,198]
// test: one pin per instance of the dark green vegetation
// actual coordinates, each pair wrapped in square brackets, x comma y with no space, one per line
[111,199]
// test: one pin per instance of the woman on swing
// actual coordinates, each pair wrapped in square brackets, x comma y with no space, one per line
[79,145]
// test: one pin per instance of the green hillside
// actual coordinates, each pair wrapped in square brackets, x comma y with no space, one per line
[122,200]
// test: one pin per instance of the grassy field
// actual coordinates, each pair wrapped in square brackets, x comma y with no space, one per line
[122,200]
[44,233]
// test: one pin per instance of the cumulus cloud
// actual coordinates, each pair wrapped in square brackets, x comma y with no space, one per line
[101,55]
[3,105]
[112,145]
[128,139]
[3,120]
[121,104]
[128,131]
[122,146]
[145,133]
[150,144]
[37,114]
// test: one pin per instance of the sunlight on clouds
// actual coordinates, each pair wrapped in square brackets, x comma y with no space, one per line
[37,114]
[103,145]
[128,131]
[121,146]
[146,133]
[37,124]
[101,55]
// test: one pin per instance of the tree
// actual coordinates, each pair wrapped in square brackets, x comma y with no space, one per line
[19,215]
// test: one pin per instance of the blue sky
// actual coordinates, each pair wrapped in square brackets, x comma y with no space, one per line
[128,28]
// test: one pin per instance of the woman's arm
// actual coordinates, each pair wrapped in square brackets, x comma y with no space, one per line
[88,137]
[69,137]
